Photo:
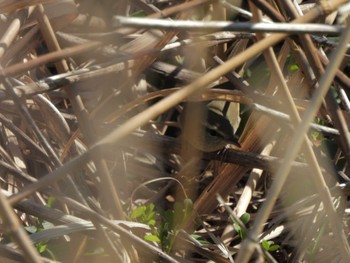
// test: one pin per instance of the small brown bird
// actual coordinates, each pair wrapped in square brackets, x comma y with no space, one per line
[216,127]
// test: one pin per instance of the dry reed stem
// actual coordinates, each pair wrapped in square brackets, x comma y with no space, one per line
[296,141]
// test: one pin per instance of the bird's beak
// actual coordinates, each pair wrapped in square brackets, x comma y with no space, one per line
[234,141]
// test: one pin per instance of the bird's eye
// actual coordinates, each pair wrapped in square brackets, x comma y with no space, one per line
[213,133]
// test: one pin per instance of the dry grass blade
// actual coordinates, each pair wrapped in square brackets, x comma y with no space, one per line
[12,5]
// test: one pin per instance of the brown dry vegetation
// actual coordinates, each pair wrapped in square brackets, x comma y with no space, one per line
[101,113]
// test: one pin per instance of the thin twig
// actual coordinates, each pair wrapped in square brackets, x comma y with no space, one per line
[226,26]
[51,57]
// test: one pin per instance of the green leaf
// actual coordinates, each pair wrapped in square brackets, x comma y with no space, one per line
[180,59]
[199,239]
[138,212]
[150,215]
[50,201]
[237,228]
[314,135]
[245,218]
[293,68]
[269,245]
[168,219]
[41,246]
[274,247]
[149,208]
[265,245]
[151,222]
[152,238]
[188,204]
[241,232]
